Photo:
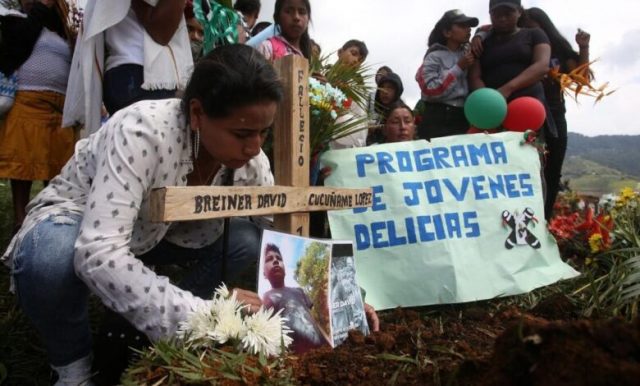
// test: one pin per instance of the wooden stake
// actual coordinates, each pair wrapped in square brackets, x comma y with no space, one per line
[291,137]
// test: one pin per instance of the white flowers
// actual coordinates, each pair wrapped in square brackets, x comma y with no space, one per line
[265,333]
[261,333]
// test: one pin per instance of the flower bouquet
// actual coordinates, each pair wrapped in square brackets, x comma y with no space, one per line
[329,109]
[218,344]
[333,91]
[604,242]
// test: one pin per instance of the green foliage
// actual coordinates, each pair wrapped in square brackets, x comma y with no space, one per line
[613,276]
[175,363]
[312,274]
[631,291]
[352,82]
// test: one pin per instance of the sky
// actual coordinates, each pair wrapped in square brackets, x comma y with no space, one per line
[396,34]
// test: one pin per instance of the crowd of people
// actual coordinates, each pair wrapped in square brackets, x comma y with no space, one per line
[125,80]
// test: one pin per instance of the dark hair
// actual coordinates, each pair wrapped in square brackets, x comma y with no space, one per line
[305,40]
[272,248]
[399,104]
[359,44]
[437,33]
[259,27]
[250,7]
[315,43]
[560,47]
[230,77]
[384,68]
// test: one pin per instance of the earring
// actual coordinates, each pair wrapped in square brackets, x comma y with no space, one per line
[195,143]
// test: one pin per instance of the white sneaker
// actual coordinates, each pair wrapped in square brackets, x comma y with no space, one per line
[76,373]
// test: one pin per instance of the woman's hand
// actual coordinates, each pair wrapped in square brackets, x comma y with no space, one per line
[319,77]
[506,91]
[325,172]
[466,60]
[372,317]
[583,38]
[476,46]
[248,298]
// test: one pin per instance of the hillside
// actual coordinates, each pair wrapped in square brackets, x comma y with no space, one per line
[589,177]
[619,152]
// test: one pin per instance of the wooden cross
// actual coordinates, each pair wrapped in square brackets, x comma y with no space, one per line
[292,198]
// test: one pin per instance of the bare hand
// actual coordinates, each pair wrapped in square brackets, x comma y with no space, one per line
[249,299]
[582,38]
[466,60]
[476,46]
[372,317]
[321,78]
[325,172]
[505,91]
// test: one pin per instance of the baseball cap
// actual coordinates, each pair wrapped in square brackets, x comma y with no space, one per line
[455,16]
[515,4]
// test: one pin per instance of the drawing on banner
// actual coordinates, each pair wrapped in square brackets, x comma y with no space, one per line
[520,233]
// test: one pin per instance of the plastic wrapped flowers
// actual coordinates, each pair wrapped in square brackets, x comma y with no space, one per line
[327,103]
[225,323]
[324,98]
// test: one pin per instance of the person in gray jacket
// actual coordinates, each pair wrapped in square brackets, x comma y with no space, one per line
[442,77]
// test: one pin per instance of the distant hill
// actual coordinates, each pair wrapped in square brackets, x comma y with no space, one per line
[619,152]
[589,177]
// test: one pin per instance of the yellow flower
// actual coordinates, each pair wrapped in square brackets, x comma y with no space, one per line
[595,242]
[627,193]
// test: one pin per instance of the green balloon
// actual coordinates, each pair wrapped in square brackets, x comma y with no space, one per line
[485,108]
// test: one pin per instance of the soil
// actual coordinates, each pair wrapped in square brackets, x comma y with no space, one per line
[477,347]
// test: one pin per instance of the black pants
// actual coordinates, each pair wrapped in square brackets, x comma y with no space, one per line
[557,148]
[441,120]
[123,87]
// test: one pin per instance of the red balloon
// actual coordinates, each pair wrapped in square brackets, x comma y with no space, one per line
[524,113]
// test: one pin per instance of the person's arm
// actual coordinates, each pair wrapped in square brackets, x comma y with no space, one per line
[125,170]
[248,298]
[160,21]
[583,38]
[475,76]
[20,34]
[266,49]
[437,83]
[372,317]
[477,41]
[532,74]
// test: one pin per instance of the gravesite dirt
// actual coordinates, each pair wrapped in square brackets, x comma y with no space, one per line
[477,347]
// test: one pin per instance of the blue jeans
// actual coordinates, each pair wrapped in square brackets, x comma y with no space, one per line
[56,300]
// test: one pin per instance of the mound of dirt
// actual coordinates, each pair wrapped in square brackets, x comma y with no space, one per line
[478,348]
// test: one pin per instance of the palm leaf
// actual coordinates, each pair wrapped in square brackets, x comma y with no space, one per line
[351,80]
[631,284]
